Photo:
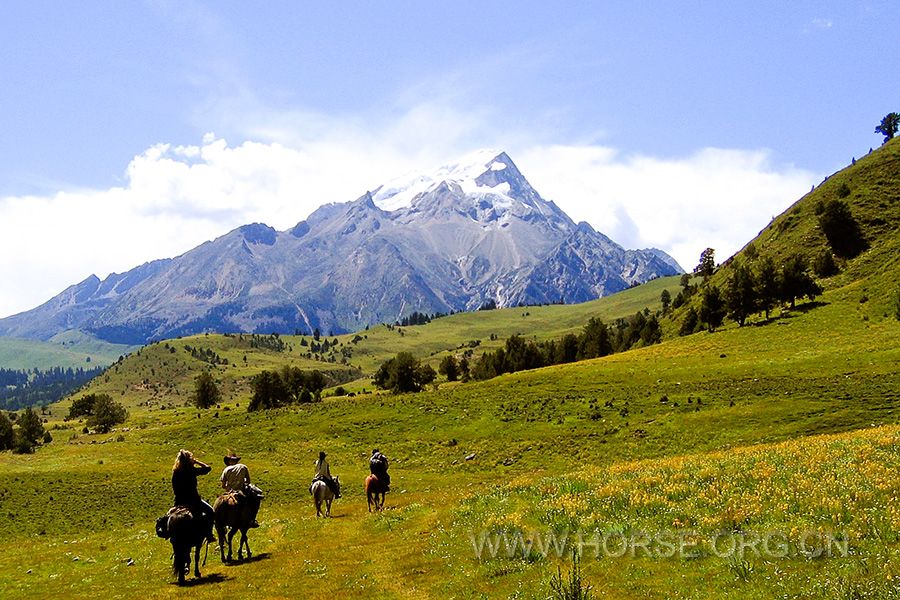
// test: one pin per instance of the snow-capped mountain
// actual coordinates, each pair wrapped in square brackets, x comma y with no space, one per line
[469,232]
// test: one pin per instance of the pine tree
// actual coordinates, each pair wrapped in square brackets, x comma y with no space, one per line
[206,392]
[449,368]
[7,436]
[30,426]
[741,295]
[712,308]
[767,285]
[796,282]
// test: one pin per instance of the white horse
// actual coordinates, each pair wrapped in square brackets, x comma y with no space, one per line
[322,493]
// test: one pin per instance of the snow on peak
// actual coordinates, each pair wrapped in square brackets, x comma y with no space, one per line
[399,192]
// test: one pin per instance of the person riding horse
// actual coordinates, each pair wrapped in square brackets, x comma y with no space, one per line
[236,478]
[323,473]
[378,465]
[184,485]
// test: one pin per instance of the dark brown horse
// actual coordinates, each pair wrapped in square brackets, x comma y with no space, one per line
[375,490]
[185,532]
[235,513]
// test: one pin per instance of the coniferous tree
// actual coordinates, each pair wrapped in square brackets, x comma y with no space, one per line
[767,285]
[665,298]
[449,368]
[206,392]
[740,297]
[690,323]
[707,265]
[403,373]
[107,413]
[889,125]
[7,436]
[464,374]
[594,340]
[796,282]
[30,426]
[824,265]
[712,308]
[841,229]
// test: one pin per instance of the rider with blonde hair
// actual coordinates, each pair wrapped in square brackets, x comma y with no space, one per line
[184,485]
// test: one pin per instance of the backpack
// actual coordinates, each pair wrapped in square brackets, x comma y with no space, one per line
[162,527]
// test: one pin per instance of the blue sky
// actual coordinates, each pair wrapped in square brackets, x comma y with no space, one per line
[181,120]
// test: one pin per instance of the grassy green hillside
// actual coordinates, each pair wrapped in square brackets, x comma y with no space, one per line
[871,189]
[70,349]
[786,431]
[162,374]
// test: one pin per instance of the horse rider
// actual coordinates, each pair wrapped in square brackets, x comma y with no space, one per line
[378,465]
[236,478]
[323,473]
[184,485]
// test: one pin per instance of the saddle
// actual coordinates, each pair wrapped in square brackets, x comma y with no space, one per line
[162,523]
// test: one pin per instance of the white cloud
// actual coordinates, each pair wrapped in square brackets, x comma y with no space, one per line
[822,23]
[176,197]
[715,198]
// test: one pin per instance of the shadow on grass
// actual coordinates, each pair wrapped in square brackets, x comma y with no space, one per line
[252,559]
[789,313]
[204,580]
[802,308]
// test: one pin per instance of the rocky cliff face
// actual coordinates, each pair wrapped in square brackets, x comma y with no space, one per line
[470,232]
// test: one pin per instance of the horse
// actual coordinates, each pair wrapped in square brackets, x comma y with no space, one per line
[374,489]
[321,492]
[185,532]
[235,513]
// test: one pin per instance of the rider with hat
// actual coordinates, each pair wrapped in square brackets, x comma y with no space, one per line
[236,478]
[378,465]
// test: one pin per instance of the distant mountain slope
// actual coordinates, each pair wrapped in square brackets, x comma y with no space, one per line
[70,349]
[468,233]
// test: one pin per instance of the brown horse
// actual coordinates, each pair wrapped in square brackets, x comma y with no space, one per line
[235,513]
[185,532]
[375,491]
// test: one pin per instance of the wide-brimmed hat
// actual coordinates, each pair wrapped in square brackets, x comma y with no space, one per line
[232,459]
[322,454]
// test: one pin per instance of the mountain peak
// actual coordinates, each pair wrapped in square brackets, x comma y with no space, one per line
[472,173]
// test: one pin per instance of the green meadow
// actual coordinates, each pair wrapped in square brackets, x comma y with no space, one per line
[784,430]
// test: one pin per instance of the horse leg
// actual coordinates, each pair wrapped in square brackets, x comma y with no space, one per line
[178,561]
[196,559]
[318,508]
[328,507]
[231,533]
[220,533]
[245,541]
